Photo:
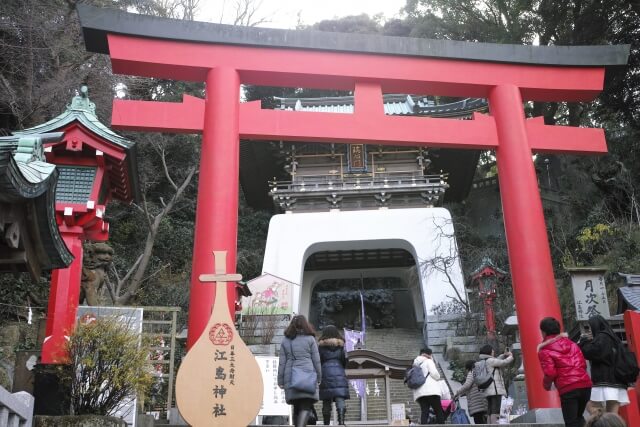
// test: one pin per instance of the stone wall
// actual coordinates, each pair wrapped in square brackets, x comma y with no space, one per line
[13,336]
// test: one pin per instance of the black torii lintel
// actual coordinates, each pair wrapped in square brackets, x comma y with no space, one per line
[98,22]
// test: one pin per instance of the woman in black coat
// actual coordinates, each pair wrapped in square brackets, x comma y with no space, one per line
[334,386]
[597,347]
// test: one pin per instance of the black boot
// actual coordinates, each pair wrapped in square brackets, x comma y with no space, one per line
[341,413]
[326,417]
[303,416]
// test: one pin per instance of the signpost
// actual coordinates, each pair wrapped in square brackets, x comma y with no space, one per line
[219,382]
[589,292]
[273,401]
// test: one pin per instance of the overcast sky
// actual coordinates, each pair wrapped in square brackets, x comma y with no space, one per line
[284,13]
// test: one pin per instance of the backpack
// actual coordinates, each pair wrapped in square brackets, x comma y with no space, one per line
[482,377]
[414,378]
[625,364]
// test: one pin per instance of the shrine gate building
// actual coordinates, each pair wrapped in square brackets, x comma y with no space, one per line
[225,57]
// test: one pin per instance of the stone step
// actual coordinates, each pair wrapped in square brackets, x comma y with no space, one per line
[388,425]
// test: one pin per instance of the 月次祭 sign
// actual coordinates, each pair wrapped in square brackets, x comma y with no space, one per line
[589,292]
[270,295]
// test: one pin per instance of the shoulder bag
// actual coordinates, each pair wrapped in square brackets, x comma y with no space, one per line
[302,380]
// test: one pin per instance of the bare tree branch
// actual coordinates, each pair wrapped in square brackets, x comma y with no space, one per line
[135,276]
[444,263]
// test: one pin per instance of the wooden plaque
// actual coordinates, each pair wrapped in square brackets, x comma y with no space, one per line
[219,382]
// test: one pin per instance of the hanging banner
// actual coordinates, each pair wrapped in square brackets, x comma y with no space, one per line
[353,340]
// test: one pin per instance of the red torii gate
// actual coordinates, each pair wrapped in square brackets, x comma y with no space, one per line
[224,57]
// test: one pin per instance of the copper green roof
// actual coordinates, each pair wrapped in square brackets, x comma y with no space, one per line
[27,196]
[82,110]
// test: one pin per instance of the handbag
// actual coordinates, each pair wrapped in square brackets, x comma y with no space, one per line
[459,416]
[302,380]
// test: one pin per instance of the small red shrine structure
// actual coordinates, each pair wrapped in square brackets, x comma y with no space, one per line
[484,280]
[224,57]
[95,165]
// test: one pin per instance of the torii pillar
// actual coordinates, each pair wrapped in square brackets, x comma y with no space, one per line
[225,57]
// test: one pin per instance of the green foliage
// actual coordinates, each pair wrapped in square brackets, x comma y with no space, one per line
[362,24]
[449,307]
[595,240]
[17,292]
[456,364]
[108,365]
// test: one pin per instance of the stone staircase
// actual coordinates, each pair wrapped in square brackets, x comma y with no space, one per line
[402,344]
[396,343]
[405,344]
[449,330]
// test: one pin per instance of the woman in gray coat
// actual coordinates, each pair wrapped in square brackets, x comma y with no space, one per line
[476,400]
[497,389]
[299,349]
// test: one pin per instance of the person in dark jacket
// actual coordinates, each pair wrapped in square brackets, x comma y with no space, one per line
[563,365]
[334,386]
[299,348]
[476,401]
[597,347]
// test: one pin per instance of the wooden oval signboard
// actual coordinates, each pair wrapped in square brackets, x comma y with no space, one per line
[219,382]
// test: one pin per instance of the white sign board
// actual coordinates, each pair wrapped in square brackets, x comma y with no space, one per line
[132,317]
[589,294]
[397,412]
[273,401]
[270,295]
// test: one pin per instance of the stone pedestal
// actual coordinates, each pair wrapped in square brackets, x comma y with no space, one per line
[541,416]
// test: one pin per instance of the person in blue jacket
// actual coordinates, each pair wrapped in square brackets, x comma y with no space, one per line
[334,386]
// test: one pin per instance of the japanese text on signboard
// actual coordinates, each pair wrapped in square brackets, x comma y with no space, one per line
[590,295]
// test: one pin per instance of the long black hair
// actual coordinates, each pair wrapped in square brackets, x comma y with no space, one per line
[599,325]
[299,326]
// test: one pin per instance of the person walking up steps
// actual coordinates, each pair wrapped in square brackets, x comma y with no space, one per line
[476,400]
[428,394]
[563,365]
[334,386]
[598,347]
[299,360]
[496,390]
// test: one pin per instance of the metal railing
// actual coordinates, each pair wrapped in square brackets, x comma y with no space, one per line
[323,183]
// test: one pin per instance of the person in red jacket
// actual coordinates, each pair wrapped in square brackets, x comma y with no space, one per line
[563,365]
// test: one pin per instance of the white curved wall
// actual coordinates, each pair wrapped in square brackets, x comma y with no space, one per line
[427,233]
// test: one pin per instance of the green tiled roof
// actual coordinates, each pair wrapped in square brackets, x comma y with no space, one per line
[84,111]
[27,180]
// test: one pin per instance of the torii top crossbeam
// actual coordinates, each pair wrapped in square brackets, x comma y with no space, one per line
[224,57]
